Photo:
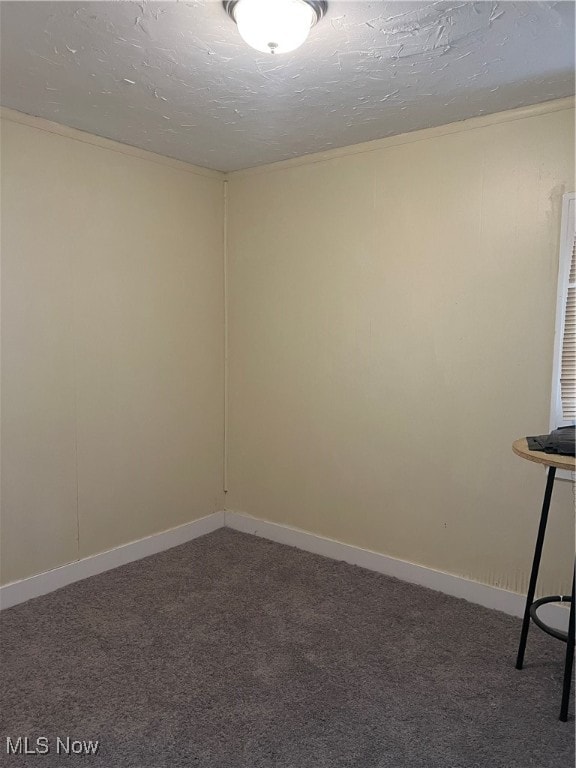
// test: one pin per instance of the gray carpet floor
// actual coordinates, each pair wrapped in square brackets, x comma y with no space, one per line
[234,652]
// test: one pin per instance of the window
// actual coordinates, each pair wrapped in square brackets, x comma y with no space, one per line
[563,406]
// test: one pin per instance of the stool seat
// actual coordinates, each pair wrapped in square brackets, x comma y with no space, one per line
[520,448]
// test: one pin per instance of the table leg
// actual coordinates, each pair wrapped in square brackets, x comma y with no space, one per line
[535,566]
[569,662]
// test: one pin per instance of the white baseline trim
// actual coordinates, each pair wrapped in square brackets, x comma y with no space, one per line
[34,586]
[457,586]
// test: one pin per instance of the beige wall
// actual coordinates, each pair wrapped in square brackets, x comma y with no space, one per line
[112,348]
[391,326]
[391,319]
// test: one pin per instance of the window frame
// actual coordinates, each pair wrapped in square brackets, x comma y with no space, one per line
[567,230]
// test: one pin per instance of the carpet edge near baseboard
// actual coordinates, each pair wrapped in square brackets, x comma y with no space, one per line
[40,584]
[488,596]
[476,592]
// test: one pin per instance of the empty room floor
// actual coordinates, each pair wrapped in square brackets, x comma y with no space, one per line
[232,651]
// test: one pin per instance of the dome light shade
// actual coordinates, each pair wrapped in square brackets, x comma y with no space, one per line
[275,26]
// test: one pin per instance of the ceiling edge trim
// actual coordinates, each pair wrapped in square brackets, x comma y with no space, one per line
[470,124]
[13,116]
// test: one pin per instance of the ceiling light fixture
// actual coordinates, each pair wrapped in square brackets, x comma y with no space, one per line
[275,26]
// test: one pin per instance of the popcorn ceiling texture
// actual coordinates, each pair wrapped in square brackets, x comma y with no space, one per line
[177,79]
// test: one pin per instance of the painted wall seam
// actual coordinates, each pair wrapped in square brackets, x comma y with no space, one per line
[225,292]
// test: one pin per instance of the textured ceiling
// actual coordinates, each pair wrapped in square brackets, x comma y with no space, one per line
[177,79]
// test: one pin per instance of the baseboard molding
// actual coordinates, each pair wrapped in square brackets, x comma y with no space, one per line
[482,594]
[43,583]
[475,592]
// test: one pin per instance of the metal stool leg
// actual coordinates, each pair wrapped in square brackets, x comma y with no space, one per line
[569,662]
[535,566]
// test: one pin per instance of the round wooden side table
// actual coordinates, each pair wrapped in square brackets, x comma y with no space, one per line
[553,462]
